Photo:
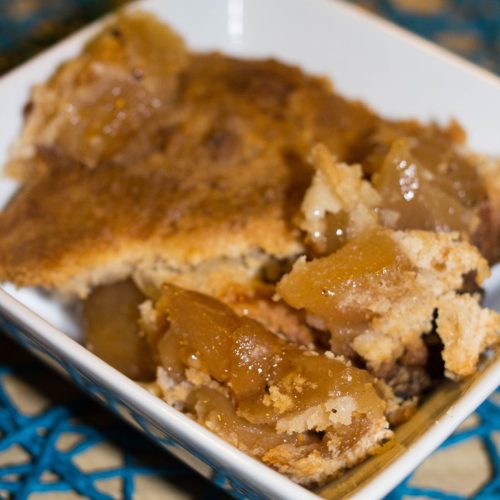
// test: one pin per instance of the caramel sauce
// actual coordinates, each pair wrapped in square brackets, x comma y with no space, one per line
[423,198]
[111,331]
[219,412]
[323,286]
[127,72]
[424,176]
[253,363]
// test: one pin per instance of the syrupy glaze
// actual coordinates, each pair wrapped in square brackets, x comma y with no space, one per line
[422,199]
[320,285]
[324,286]
[219,412]
[111,330]
[268,378]
[126,85]
[335,234]
[424,176]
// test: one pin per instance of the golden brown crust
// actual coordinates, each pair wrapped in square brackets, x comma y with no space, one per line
[74,228]
[223,183]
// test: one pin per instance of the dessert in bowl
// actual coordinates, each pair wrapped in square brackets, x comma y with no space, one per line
[300,270]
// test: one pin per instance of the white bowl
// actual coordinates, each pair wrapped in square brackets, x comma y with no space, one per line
[399,75]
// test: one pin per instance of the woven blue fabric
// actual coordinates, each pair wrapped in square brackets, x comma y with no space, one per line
[489,424]
[38,435]
[470,28]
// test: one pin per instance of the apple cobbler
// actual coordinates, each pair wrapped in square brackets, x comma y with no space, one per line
[283,265]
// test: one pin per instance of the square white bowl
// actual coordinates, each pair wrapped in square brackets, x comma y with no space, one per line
[396,73]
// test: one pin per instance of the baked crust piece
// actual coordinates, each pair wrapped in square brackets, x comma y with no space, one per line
[75,228]
[306,414]
[206,203]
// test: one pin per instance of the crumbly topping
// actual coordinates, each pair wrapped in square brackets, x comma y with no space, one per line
[336,187]
[466,330]
[440,262]
[399,302]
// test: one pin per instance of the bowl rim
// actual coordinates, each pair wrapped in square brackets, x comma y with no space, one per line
[256,474]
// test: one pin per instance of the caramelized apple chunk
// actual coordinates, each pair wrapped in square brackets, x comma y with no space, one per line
[411,177]
[438,152]
[423,197]
[264,394]
[428,179]
[111,330]
[408,190]
[107,104]
[377,296]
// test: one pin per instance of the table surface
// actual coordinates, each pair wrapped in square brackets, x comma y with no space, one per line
[55,443]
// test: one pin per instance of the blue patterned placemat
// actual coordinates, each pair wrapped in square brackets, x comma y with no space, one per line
[49,431]
[485,430]
[470,28]
[54,440]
